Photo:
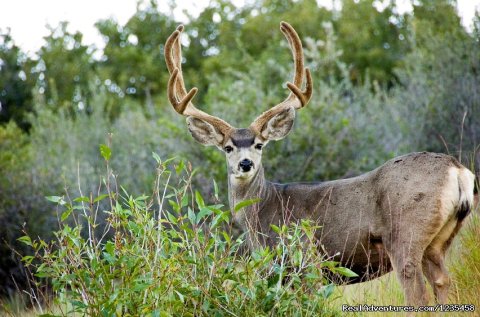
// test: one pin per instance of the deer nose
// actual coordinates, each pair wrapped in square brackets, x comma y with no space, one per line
[245,165]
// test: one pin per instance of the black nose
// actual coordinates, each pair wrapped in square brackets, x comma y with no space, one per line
[245,165]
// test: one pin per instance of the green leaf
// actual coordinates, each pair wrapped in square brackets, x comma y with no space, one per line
[56,199]
[327,291]
[82,199]
[297,257]
[345,272]
[28,259]
[167,161]
[105,152]
[141,286]
[191,215]
[204,212]
[174,205]
[215,190]
[172,218]
[142,198]
[101,197]
[246,203]
[157,158]
[275,229]
[199,199]
[206,306]
[312,276]
[226,237]
[110,258]
[65,214]
[180,296]
[222,217]
[184,201]
[329,264]
[110,247]
[26,240]
[78,304]
[179,168]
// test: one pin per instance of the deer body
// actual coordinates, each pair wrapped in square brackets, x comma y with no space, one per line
[363,217]
[401,216]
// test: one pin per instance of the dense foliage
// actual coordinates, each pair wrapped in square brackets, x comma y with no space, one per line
[151,261]
[385,84]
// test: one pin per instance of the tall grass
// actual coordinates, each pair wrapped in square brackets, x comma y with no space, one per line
[464,263]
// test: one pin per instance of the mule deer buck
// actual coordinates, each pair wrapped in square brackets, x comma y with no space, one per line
[402,215]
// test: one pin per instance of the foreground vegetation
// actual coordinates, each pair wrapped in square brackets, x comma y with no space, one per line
[146,260]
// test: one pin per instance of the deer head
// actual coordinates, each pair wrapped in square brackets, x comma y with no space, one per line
[242,147]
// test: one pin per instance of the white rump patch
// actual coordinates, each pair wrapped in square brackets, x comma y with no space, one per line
[466,181]
[450,195]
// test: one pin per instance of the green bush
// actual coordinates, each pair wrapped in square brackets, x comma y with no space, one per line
[15,197]
[172,254]
[438,96]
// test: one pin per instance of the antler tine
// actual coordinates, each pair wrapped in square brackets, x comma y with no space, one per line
[176,85]
[297,98]
[297,51]
[181,105]
[173,58]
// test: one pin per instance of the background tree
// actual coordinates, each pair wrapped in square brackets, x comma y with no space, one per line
[65,70]
[16,82]
[438,16]
[372,40]
[132,64]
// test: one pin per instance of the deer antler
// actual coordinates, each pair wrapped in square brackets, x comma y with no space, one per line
[297,98]
[177,93]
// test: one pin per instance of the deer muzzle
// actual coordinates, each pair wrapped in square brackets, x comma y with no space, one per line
[245,165]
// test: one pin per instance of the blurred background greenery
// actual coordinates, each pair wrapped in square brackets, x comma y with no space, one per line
[385,84]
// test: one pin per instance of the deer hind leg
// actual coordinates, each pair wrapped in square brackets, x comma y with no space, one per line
[434,261]
[406,259]
[436,273]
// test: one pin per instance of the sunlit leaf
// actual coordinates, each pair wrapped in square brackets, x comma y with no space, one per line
[246,203]
[105,152]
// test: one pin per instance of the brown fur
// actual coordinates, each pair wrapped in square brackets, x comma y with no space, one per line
[391,217]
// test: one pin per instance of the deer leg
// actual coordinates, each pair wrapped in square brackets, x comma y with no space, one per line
[434,261]
[436,273]
[408,266]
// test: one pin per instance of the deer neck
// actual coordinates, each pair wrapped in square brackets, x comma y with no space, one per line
[244,189]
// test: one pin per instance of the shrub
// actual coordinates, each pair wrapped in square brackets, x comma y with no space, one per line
[438,96]
[15,153]
[171,254]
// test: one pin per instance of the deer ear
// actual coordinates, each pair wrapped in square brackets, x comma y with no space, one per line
[278,127]
[204,132]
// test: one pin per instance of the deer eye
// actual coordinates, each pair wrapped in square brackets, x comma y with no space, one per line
[258,146]
[228,149]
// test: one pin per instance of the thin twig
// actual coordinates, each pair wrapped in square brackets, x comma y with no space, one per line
[461,137]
